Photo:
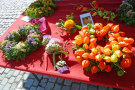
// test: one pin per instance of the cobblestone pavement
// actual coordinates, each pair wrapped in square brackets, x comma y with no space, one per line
[11,79]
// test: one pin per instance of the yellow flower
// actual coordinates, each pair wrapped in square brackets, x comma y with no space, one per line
[69,24]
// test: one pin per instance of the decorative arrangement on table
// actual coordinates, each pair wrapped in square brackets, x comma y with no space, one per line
[97,11]
[126,12]
[70,25]
[14,49]
[54,47]
[96,58]
[41,8]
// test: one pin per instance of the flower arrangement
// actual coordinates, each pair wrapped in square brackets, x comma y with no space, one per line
[41,8]
[97,11]
[70,25]
[96,58]
[126,12]
[54,47]
[14,49]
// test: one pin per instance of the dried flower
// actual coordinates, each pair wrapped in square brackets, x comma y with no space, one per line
[46,39]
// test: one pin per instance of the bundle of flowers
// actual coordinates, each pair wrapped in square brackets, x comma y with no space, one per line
[70,25]
[97,11]
[95,57]
[126,12]
[54,47]
[14,49]
[41,8]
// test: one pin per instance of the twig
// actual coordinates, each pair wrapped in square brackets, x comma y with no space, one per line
[120,68]
[45,61]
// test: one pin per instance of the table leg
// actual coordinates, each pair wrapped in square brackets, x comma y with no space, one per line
[35,76]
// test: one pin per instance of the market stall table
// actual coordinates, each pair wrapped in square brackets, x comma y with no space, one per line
[35,62]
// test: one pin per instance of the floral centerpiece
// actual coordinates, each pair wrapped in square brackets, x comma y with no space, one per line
[14,49]
[54,47]
[41,8]
[95,57]
[126,12]
[70,25]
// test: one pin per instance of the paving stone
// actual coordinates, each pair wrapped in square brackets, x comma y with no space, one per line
[2,70]
[1,87]
[16,73]
[11,80]
[39,76]
[28,83]
[67,82]
[31,76]
[2,76]
[25,76]
[42,84]
[9,74]
[66,88]
[60,80]
[35,83]
[52,79]
[50,85]
[20,85]
[33,88]
[57,87]
[102,88]
[40,88]
[7,86]
[83,86]
[13,86]
[75,86]
[44,76]
[22,72]
[92,88]
[18,78]
[4,81]
[6,70]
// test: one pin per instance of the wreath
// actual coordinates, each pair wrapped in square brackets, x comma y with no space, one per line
[95,58]
[41,8]
[12,46]
[126,12]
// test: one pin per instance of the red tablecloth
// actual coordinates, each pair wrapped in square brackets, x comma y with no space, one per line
[35,61]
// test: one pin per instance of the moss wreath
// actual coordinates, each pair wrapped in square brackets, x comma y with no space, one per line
[14,47]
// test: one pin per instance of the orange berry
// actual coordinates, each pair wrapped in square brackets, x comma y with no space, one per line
[120,39]
[92,46]
[102,65]
[99,49]
[85,56]
[78,37]
[93,40]
[85,63]
[103,32]
[98,57]
[122,44]
[86,40]
[116,35]
[85,46]
[126,50]
[81,34]
[94,50]
[108,68]
[107,59]
[92,56]
[110,25]
[85,27]
[115,28]
[122,34]
[111,39]
[113,42]
[108,46]
[107,51]
[79,52]
[94,69]
[98,26]
[79,58]
[107,27]
[118,53]
[79,41]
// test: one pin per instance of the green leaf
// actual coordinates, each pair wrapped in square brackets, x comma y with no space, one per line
[63,52]
[73,48]
[78,27]
[120,73]
[54,62]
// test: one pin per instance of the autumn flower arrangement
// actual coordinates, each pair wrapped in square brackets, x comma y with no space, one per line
[41,8]
[96,11]
[70,25]
[14,49]
[126,12]
[54,47]
[94,57]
